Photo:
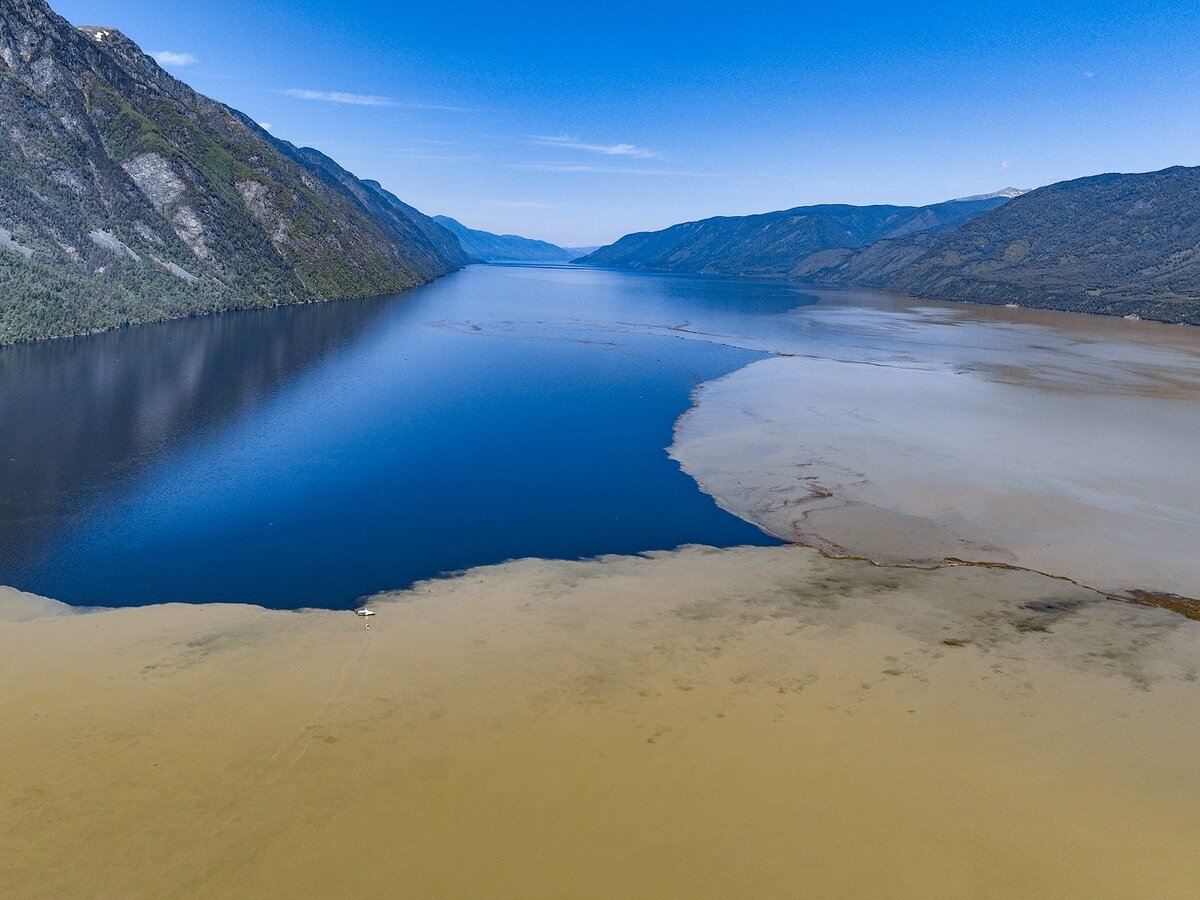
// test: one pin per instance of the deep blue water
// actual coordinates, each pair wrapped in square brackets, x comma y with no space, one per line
[308,456]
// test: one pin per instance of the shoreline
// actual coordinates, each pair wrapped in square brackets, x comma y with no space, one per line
[837,287]
[26,342]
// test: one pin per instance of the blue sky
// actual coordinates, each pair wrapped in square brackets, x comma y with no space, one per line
[578,123]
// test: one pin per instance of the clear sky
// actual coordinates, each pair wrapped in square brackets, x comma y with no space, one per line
[577,123]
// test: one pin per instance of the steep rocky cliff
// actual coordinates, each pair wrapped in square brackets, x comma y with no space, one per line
[125,196]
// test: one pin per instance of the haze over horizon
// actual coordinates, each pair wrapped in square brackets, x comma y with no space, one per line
[587,125]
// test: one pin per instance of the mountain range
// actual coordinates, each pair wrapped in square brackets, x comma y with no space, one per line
[771,244]
[1110,244]
[489,247]
[126,196]
[1115,244]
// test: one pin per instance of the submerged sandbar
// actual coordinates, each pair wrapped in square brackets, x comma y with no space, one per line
[1056,443]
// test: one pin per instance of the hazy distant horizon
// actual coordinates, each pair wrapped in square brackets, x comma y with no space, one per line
[590,124]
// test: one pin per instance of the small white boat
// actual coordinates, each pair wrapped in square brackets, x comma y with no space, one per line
[364,612]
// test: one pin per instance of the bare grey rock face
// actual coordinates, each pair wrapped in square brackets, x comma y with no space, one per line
[154,178]
[177,271]
[191,231]
[147,234]
[109,241]
[8,243]
[69,179]
[256,197]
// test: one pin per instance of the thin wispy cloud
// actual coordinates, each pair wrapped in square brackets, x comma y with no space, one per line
[441,106]
[1088,73]
[412,153]
[338,97]
[350,99]
[445,157]
[570,143]
[613,170]
[171,58]
[1006,165]
[519,204]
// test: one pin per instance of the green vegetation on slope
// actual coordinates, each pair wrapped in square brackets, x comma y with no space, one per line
[503,247]
[131,198]
[771,244]
[1108,244]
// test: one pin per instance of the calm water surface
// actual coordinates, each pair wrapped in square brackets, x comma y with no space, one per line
[308,456]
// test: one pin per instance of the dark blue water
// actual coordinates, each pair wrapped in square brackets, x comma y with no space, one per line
[309,456]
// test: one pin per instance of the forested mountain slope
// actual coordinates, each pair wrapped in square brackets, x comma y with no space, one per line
[1111,244]
[125,196]
[772,244]
[503,247]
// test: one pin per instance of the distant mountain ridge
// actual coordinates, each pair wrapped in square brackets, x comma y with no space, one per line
[1007,193]
[1115,244]
[125,196]
[771,244]
[489,247]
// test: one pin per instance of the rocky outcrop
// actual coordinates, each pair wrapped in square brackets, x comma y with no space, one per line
[154,178]
[7,242]
[106,240]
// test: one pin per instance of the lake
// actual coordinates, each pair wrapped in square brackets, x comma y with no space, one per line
[316,455]
[554,724]
[308,456]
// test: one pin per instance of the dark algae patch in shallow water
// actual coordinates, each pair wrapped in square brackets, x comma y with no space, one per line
[1185,606]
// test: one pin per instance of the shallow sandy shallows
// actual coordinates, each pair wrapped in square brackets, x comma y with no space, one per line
[751,722]
[1064,444]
